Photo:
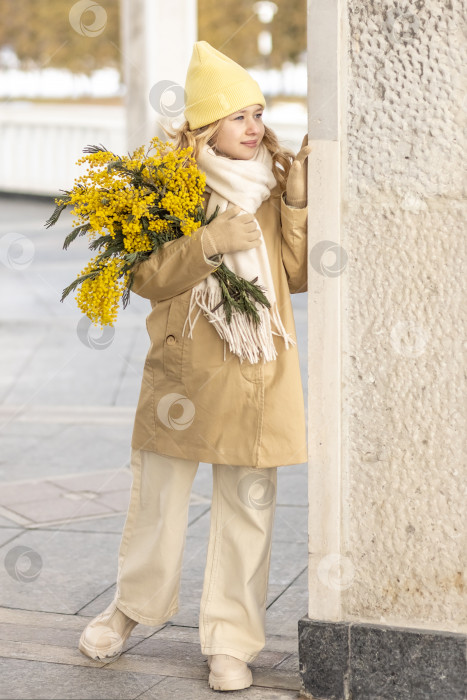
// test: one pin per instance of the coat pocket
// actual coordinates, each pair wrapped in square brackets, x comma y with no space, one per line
[174,341]
[253,372]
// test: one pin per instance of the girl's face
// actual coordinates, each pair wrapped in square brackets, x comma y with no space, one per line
[241,133]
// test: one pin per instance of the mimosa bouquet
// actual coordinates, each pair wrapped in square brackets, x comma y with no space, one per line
[129,206]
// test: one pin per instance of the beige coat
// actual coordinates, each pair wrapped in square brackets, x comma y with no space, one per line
[196,405]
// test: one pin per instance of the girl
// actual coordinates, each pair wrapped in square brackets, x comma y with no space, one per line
[229,394]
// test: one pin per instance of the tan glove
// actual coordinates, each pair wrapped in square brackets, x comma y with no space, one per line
[297,180]
[228,233]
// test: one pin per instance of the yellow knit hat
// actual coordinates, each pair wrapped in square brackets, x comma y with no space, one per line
[216,86]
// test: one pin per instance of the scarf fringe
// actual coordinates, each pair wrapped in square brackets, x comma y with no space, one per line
[246,184]
[245,339]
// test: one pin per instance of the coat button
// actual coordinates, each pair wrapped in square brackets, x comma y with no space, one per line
[170,339]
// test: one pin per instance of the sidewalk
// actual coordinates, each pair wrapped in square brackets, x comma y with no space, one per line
[67,402]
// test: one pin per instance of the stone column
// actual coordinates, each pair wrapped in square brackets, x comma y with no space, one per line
[157,42]
[387,613]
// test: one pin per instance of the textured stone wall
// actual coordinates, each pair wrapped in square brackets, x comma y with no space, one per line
[404,503]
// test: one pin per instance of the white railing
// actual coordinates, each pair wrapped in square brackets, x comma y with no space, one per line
[40,143]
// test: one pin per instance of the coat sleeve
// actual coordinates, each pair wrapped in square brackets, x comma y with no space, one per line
[294,245]
[174,268]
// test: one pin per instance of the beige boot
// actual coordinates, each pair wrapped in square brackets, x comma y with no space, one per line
[228,673]
[105,635]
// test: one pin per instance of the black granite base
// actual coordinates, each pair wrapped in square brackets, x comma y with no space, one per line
[356,661]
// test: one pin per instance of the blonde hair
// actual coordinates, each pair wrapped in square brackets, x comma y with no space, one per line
[282,158]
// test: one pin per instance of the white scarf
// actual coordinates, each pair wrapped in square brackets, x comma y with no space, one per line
[245,183]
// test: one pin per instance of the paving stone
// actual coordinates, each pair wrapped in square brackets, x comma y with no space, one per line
[5,522]
[290,524]
[130,384]
[116,500]
[14,354]
[283,615]
[63,633]
[202,483]
[99,603]
[199,689]
[65,414]
[56,361]
[167,652]
[95,481]
[275,590]
[129,390]
[73,568]
[282,643]
[200,529]
[7,534]
[108,523]
[288,560]
[178,633]
[11,616]
[71,449]
[196,512]
[286,645]
[188,614]
[12,427]
[89,448]
[51,636]
[27,618]
[189,603]
[267,660]
[290,664]
[69,653]
[31,679]
[111,523]
[25,492]
[292,485]
[300,581]
[61,508]
[276,679]
[12,459]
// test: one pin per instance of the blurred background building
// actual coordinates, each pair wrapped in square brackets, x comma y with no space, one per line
[111,73]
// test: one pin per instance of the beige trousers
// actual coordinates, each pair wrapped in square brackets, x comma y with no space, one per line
[233,601]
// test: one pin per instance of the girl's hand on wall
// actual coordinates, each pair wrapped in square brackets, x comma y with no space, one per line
[296,192]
